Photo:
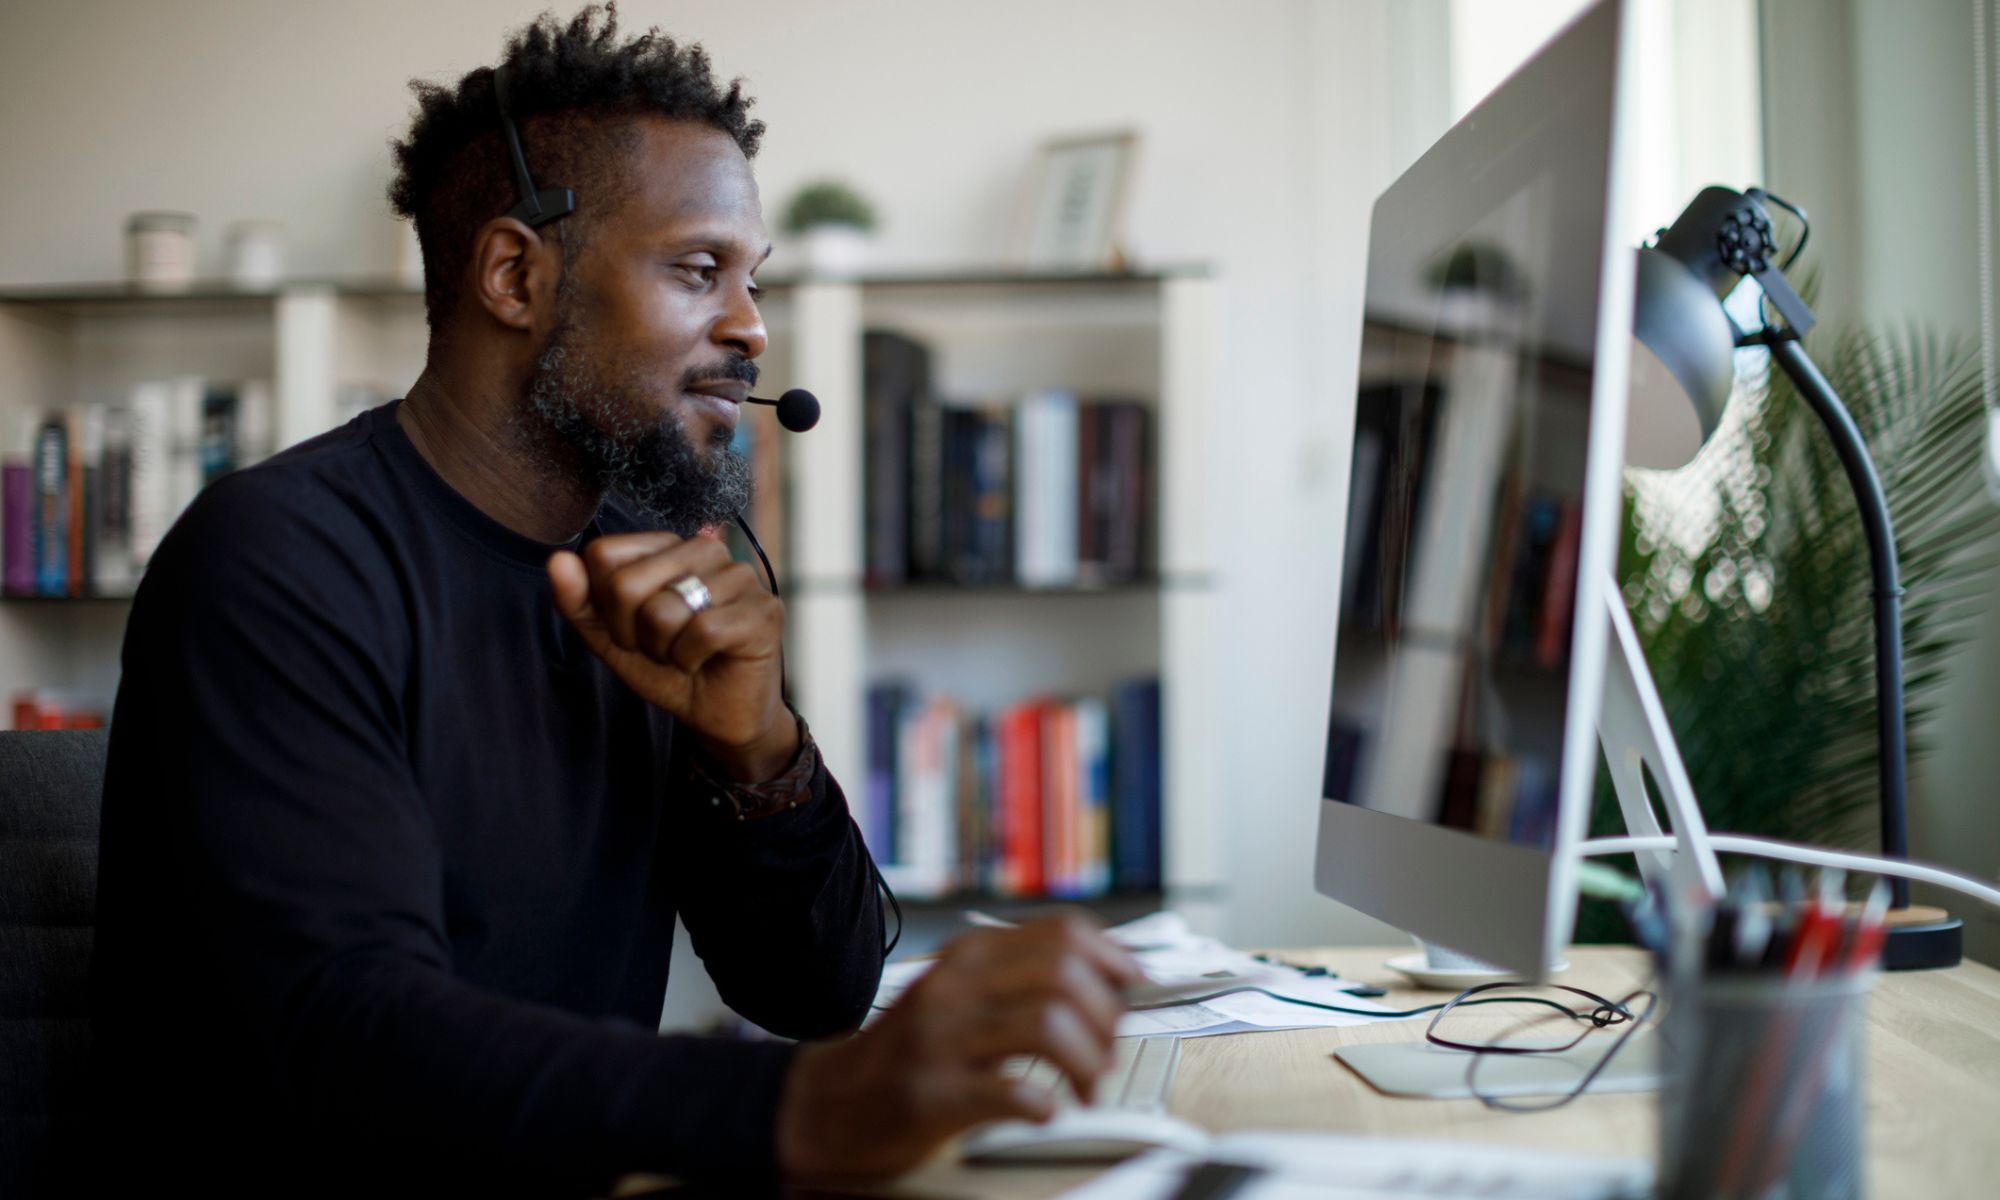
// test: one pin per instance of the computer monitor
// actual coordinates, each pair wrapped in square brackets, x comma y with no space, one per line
[1483,510]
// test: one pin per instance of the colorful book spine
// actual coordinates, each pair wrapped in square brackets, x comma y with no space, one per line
[1026,802]
[52,507]
[1020,801]
[17,509]
[1062,803]
[1093,759]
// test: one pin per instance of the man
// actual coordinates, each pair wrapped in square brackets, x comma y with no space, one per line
[431,725]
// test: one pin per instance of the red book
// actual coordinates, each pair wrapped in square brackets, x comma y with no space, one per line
[1021,800]
[1062,803]
[1552,633]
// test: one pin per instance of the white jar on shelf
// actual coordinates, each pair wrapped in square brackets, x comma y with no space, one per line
[255,255]
[159,251]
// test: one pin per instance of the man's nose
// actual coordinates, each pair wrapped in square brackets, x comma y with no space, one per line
[742,325]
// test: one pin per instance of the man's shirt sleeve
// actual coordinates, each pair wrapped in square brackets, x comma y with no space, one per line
[779,896]
[314,876]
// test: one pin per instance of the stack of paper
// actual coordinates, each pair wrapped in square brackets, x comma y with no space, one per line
[1183,965]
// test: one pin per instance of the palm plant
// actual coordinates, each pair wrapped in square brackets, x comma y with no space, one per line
[1746,573]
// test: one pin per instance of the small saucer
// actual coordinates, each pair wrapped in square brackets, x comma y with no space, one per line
[1412,966]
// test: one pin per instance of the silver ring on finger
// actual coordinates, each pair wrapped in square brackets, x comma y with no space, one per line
[694,592]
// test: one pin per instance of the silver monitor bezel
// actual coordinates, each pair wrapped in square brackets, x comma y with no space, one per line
[1514,905]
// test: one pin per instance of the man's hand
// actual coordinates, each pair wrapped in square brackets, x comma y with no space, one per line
[884,1100]
[716,671]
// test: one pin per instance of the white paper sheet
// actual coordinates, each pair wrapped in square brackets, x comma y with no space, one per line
[1174,955]
[1304,1166]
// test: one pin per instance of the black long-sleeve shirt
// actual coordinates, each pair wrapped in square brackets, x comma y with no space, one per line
[391,863]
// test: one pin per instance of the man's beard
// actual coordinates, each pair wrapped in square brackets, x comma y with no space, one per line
[620,442]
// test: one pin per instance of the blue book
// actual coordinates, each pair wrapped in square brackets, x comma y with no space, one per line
[1135,785]
[877,815]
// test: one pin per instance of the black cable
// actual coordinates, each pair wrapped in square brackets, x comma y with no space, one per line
[1565,1009]
[1805,231]
[785,691]
[1805,226]
[769,575]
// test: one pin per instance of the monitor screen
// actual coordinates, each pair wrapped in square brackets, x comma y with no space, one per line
[1477,433]
[1465,519]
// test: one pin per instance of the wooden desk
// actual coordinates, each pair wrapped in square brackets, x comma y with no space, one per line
[1933,1085]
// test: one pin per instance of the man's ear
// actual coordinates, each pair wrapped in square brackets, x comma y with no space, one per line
[514,272]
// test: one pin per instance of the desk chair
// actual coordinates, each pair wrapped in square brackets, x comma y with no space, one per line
[51,792]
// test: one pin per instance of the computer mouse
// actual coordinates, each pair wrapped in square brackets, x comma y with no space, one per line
[1080,1135]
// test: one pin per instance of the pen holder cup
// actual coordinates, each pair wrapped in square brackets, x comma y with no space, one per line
[1763,1090]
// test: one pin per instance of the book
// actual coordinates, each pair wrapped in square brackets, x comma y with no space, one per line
[1559,597]
[1135,784]
[17,507]
[1045,489]
[79,476]
[990,521]
[1129,528]
[150,412]
[112,570]
[188,413]
[51,528]
[926,770]
[1062,803]
[895,382]
[878,810]
[1019,800]
[928,553]
[1112,508]
[1093,762]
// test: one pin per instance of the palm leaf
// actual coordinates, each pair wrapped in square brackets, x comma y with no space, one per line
[1747,576]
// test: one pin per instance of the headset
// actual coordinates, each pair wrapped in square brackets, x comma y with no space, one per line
[797,410]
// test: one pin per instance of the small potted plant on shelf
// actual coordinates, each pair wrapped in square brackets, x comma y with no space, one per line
[834,223]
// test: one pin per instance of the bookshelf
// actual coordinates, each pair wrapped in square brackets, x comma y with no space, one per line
[328,344]
[995,337]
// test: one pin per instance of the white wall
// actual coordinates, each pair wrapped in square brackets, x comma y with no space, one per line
[1266,138]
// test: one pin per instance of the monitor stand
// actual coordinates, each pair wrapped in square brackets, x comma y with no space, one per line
[1645,762]
[1426,1072]
[1639,748]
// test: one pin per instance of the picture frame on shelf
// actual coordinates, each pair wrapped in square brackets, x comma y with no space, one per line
[1073,214]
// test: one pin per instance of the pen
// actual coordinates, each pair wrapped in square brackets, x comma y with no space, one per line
[1209,1180]
[1753,922]
[1817,941]
[1869,930]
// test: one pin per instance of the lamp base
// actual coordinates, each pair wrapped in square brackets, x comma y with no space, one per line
[1922,938]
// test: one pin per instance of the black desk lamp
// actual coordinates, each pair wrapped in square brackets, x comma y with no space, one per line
[1719,238]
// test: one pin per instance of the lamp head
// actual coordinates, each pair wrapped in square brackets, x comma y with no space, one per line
[1683,364]
[1683,333]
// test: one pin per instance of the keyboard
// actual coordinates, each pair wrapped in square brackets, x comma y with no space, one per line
[1127,1116]
[1140,1078]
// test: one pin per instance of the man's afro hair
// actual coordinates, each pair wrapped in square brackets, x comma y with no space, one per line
[572,90]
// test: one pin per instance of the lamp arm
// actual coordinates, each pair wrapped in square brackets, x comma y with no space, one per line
[1852,449]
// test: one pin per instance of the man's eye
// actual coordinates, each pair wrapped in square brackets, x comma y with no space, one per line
[702,271]
[756,294]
